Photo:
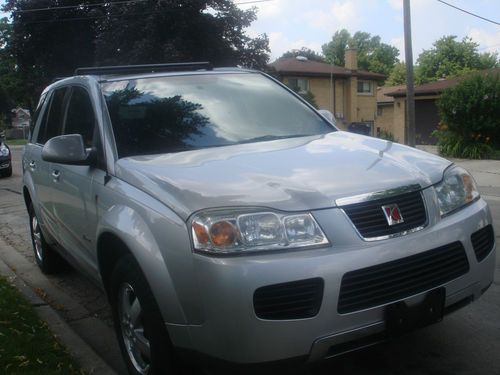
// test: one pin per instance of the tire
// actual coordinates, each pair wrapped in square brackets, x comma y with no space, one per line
[8,172]
[46,258]
[139,326]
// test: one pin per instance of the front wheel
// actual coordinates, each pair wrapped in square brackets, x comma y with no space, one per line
[139,325]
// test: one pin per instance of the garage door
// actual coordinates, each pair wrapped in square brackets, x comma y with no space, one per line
[426,121]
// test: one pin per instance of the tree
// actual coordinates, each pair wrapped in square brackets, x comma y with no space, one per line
[304,51]
[397,75]
[179,30]
[373,55]
[11,84]
[75,33]
[334,51]
[450,57]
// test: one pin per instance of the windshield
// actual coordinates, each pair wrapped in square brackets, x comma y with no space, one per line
[171,114]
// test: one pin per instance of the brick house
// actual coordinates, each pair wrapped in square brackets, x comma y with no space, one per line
[391,108]
[349,93]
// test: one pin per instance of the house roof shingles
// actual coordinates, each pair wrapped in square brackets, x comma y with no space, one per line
[293,66]
[382,92]
[436,87]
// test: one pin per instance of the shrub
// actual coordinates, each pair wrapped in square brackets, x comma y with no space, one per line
[387,135]
[471,112]
[455,145]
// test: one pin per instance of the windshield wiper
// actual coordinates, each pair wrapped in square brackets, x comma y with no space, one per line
[272,138]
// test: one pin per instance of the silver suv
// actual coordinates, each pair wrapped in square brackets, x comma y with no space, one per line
[226,217]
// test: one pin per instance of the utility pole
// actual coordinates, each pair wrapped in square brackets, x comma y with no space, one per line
[410,93]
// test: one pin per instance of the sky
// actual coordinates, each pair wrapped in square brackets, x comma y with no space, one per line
[293,24]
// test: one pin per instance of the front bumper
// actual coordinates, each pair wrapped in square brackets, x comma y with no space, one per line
[5,162]
[232,332]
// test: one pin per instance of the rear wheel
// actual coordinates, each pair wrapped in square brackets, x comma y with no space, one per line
[46,258]
[139,325]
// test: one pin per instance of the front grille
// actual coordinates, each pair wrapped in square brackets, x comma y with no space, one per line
[293,300]
[398,279]
[483,241]
[370,221]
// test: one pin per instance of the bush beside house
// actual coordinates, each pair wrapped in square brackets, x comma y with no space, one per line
[470,117]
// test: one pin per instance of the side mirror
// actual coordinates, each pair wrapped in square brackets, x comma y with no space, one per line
[67,149]
[328,115]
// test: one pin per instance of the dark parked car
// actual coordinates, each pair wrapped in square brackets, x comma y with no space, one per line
[362,128]
[5,160]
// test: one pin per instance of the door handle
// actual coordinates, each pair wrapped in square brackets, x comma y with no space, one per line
[32,165]
[56,174]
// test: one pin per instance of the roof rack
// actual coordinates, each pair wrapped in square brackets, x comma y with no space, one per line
[145,68]
[58,79]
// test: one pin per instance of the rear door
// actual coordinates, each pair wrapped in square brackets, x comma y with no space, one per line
[74,201]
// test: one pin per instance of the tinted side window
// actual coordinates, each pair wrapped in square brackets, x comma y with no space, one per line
[80,117]
[52,122]
[34,118]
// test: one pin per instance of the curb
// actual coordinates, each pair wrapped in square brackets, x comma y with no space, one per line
[86,357]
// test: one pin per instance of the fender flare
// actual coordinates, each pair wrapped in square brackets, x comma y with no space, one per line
[128,225]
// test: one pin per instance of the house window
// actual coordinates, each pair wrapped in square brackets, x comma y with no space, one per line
[380,110]
[365,87]
[299,85]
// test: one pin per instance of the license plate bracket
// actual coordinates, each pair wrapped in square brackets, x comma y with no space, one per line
[401,318]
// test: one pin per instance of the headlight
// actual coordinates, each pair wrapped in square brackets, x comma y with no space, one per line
[230,232]
[4,151]
[457,189]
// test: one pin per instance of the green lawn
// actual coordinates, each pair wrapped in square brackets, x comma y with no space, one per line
[26,344]
[16,142]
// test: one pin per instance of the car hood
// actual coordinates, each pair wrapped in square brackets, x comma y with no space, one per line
[294,174]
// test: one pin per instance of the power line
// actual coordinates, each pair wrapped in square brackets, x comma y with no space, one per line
[465,11]
[66,7]
[98,17]
[252,2]
[77,6]
[115,15]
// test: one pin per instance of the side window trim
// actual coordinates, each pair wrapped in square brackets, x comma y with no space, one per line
[49,106]
[68,101]
[38,123]
[97,141]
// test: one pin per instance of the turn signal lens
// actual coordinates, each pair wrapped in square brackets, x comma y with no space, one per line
[223,234]
[200,234]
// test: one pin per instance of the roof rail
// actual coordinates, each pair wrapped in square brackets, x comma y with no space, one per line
[58,79]
[145,68]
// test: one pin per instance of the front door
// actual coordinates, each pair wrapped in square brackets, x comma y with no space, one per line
[74,200]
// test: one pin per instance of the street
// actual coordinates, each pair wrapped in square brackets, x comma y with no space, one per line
[466,342]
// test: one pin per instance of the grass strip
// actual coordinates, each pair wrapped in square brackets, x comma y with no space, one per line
[26,344]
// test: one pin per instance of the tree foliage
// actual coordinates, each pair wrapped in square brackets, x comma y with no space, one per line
[304,51]
[470,114]
[397,75]
[179,30]
[373,55]
[450,57]
[8,75]
[74,33]
[334,50]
